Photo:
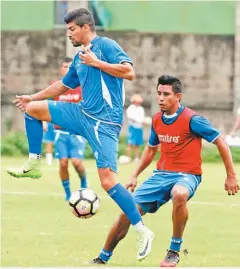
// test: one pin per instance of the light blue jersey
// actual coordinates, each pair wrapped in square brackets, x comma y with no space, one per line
[103,94]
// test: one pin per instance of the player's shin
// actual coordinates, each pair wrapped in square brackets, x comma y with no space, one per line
[34,131]
[66,187]
[126,202]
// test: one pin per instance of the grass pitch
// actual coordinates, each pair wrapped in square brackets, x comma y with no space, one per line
[39,230]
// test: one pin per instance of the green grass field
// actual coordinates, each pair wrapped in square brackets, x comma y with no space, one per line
[38,228]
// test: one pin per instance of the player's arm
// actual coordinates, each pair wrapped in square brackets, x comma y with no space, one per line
[122,70]
[55,89]
[147,157]
[231,185]
[202,127]
[116,61]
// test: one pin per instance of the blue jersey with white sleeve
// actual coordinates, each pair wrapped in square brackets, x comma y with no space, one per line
[103,94]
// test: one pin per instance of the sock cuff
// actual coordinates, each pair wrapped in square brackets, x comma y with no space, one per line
[176,240]
[65,183]
[112,190]
[105,255]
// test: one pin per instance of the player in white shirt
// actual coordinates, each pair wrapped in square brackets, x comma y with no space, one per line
[236,125]
[135,116]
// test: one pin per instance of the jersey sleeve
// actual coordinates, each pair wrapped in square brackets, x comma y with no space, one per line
[114,53]
[70,80]
[203,128]
[153,140]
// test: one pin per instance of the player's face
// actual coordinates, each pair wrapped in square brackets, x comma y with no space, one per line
[64,69]
[76,34]
[167,99]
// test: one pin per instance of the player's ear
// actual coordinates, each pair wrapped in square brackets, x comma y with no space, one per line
[179,96]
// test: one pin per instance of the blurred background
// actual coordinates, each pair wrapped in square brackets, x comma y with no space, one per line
[198,41]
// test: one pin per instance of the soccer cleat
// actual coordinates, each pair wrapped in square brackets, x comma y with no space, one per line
[171,259]
[145,240]
[97,260]
[32,169]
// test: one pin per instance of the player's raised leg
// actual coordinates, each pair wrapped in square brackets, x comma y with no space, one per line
[36,112]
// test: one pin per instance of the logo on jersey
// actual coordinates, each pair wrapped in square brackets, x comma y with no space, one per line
[168,139]
[69,97]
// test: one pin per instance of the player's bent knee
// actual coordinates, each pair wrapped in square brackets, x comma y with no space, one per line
[108,178]
[39,110]
[64,164]
[180,194]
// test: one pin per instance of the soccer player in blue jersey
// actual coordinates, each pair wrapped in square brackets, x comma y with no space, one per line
[48,139]
[99,67]
[179,130]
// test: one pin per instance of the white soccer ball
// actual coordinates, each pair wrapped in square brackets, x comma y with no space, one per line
[124,159]
[85,203]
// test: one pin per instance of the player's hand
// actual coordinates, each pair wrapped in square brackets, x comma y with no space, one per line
[88,57]
[22,101]
[231,185]
[132,183]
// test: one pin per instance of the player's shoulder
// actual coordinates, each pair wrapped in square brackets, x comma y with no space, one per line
[106,42]
[156,117]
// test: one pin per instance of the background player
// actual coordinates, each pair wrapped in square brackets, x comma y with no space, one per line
[179,130]
[69,146]
[135,115]
[48,139]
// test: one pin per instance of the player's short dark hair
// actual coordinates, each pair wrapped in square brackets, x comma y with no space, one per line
[67,60]
[172,81]
[80,16]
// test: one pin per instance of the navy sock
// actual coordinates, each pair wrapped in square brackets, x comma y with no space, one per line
[126,202]
[83,181]
[175,244]
[66,186]
[105,255]
[34,130]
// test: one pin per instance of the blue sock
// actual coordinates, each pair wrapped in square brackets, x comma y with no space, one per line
[66,186]
[175,244]
[34,130]
[126,202]
[83,181]
[105,255]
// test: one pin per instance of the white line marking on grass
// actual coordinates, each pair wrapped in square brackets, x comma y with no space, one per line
[24,193]
[88,170]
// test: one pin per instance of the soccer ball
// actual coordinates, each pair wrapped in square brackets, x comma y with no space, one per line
[85,203]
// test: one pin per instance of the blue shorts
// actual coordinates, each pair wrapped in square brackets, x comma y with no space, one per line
[48,136]
[68,146]
[156,190]
[135,136]
[102,137]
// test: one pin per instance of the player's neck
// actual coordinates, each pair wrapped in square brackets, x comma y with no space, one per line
[173,110]
[89,38]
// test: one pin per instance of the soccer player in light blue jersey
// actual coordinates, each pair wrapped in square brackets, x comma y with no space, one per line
[99,67]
